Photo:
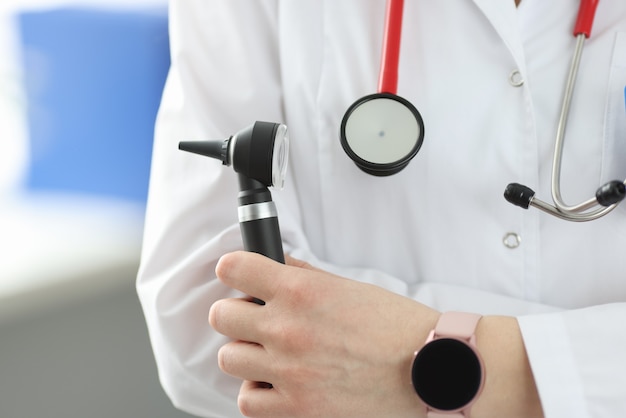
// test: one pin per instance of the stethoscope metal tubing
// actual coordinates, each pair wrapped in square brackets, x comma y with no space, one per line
[607,196]
[580,216]
[579,212]
[560,209]
[574,217]
[560,135]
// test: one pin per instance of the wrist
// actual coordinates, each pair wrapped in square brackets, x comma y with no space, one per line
[510,387]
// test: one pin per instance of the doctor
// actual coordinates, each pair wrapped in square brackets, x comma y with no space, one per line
[376,263]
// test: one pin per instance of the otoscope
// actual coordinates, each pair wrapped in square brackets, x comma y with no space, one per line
[259,154]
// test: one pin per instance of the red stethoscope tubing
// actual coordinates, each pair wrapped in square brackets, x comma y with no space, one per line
[586,14]
[388,80]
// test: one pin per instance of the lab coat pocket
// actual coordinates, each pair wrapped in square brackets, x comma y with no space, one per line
[614,158]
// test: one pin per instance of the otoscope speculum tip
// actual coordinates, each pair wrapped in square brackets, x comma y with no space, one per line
[213,149]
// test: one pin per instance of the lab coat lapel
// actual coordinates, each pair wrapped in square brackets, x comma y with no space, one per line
[502,15]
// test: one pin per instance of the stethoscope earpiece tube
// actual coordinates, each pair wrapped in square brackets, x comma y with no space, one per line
[519,195]
[611,193]
[606,199]
[607,196]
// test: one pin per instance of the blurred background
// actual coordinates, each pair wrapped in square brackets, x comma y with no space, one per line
[80,84]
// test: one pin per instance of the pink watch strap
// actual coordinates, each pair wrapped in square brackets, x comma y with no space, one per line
[433,414]
[461,325]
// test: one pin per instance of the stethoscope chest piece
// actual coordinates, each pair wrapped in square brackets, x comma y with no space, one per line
[381,133]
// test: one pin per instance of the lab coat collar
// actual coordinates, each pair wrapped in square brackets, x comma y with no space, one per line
[502,15]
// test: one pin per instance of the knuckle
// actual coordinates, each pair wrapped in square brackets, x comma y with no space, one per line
[245,406]
[215,315]
[273,331]
[290,336]
[226,359]
[299,293]
[222,358]
[224,266]
[298,373]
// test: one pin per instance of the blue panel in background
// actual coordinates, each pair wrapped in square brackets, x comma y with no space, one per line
[93,80]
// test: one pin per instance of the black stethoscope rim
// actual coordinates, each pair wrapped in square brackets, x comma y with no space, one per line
[379,169]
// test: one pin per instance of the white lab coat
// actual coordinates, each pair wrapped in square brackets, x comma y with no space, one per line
[434,231]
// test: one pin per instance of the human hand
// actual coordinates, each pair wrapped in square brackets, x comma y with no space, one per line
[326,346]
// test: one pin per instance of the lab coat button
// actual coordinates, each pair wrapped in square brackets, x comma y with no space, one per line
[516,79]
[511,240]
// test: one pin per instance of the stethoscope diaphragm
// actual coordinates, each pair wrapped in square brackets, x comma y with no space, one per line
[381,133]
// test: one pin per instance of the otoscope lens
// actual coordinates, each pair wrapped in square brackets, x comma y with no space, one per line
[280,157]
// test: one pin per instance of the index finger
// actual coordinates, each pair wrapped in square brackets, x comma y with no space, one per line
[251,273]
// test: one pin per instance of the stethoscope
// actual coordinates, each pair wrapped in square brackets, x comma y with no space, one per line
[382,132]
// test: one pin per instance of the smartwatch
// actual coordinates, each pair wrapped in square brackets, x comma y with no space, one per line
[448,373]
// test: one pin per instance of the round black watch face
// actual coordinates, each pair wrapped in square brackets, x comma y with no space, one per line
[447,374]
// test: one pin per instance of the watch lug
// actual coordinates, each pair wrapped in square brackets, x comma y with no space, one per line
[472,340]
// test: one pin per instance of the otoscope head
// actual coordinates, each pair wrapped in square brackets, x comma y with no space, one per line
[259,152]
[611,193]
[519,195]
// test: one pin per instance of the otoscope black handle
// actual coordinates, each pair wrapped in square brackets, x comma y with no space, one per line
[258,220]
[263,236]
